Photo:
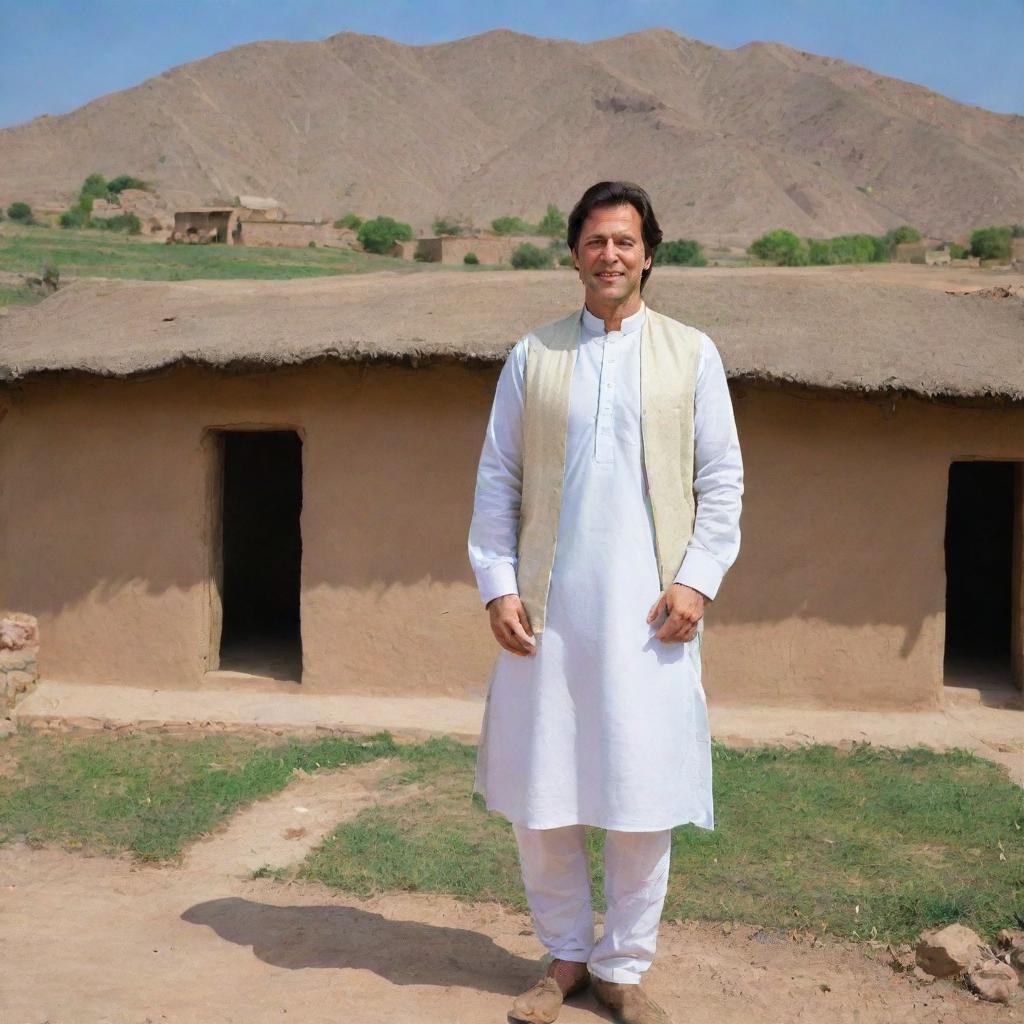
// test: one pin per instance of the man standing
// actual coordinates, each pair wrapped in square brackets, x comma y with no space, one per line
[606,514]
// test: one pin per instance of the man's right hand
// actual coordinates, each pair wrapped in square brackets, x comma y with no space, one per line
[511,625]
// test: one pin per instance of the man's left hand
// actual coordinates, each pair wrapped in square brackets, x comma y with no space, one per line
[685,608]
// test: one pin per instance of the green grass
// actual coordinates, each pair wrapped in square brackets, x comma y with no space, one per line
[870,843]
[149,793]
[18,295]
[94,253]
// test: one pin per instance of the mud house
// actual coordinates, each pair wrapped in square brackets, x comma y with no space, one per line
[272,481]
[452,249]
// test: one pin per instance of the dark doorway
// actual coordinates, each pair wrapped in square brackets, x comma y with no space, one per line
[980,552]
[262,553]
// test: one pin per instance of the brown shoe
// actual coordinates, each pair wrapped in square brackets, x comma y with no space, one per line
[629,1003]
[540,1005]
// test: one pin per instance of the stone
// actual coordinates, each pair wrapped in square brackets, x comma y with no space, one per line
[947,952]
[1012,940]
[993,980]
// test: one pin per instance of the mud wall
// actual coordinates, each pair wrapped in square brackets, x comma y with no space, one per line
[105,526]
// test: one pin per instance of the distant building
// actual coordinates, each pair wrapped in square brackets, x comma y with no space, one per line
[452,249]
[207,224]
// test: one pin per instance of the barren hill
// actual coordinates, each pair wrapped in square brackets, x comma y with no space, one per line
[729,142]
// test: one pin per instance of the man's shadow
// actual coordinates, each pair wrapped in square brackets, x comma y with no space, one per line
[403,952]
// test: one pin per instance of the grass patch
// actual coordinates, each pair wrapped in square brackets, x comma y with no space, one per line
[17,295]
[870,843]
[105,254]
[149,793]
[873,843]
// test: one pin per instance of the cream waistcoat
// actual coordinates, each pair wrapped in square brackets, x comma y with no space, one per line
[669,355]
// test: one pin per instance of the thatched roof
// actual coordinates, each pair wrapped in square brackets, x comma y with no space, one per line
[827,329]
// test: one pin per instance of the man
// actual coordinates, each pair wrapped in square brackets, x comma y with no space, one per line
[606,514]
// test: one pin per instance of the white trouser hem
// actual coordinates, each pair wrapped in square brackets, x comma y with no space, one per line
[618,975]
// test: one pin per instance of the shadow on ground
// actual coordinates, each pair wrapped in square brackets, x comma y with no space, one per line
[402,952]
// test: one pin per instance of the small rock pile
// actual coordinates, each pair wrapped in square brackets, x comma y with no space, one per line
[19,648]
[958,952]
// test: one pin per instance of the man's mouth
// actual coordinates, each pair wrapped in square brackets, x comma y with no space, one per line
[609,275]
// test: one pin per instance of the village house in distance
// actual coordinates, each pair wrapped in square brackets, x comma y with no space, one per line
[271,482]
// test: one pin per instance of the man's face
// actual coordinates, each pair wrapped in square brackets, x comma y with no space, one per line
[610,253]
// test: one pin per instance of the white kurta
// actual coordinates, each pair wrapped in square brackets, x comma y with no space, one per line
[604,725]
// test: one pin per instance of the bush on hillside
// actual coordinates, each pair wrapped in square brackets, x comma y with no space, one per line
[447,226]
[380,234]
[957,251]
[682,252]
[122,181]
[530,257]
[1017,230]
[991,243]
[553,221]
[511,226]
[75,217]
[20,212]
[471,258]
[847,249]
[126,222]
[351,221]
[904,233]
[565,260]
[780,247]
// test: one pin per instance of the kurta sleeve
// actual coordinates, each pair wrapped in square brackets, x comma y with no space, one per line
[717,480]
[494,531]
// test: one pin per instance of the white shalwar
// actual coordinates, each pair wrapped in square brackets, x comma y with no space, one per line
[603,725]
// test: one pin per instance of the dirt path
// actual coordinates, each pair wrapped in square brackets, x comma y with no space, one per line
[94,940]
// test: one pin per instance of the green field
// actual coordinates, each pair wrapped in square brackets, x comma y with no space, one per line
[95,253]
[870,843]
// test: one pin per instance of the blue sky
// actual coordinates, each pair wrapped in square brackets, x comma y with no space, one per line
[56,55]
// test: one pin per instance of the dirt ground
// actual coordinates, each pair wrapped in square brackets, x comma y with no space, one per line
[96,940]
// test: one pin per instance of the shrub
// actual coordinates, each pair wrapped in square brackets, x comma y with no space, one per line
[904,233]
[76,217]
[780,247]
[381,233]
[553,222]
[20,211]
[991,243]
[957,251]
[446,226]
[565,260]
[1017,230]
[126,222]
[122,181]
[349,220]
[511,226]
[683,252]
[847,249]
[471,258]
[529,257]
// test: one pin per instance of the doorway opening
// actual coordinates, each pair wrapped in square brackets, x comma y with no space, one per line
[983,591]
[261,553]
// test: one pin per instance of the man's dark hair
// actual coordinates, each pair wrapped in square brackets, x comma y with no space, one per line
[615,193]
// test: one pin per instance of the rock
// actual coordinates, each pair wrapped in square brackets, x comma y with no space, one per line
[993,980]
[1012,940]
[946,952]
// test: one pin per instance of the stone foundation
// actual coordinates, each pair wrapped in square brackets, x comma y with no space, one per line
[19,647]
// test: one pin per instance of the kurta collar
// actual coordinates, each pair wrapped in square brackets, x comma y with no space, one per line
[595,325]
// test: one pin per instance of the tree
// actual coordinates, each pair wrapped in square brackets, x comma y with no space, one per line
[780,247]
[847,249]
[1017,230]
[510,226]
[991,243]
[381,233]
[904,233]
[685,252]
[553,221]
[471,259]
[21,212]
[530,257]
[349,220]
